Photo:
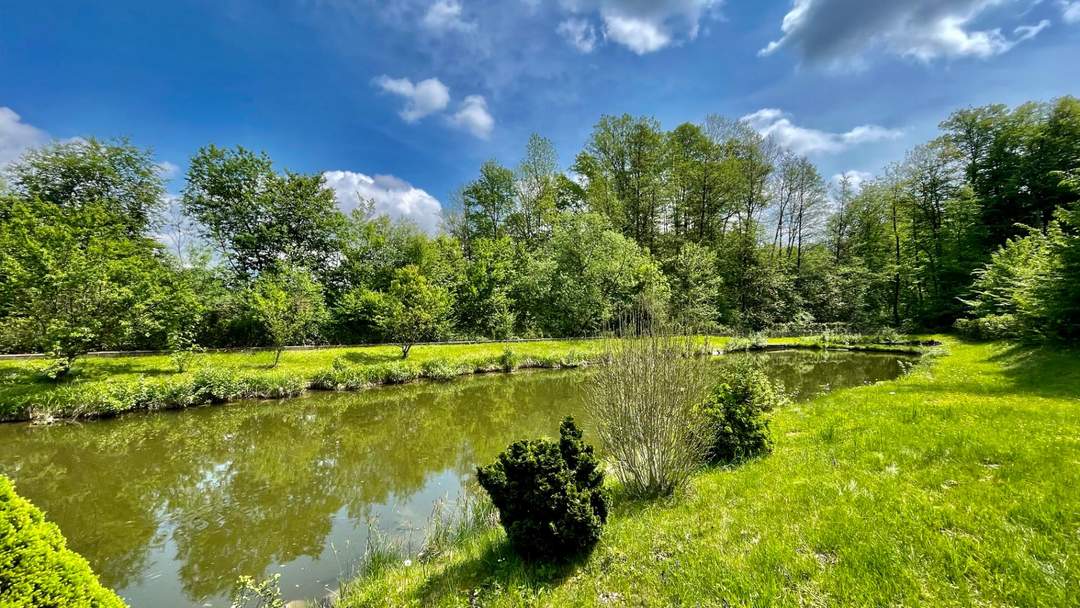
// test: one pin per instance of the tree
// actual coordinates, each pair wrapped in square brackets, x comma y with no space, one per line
[695,287]
[488,202]
[484,304]
[123,179]
[289,304]
[625,157]
[596,274]
[257,218]
[415,310]
[75,280]
[536,181]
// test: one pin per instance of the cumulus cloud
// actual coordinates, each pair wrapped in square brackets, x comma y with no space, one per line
[17,136]
[838,32]
[579,33]
[421,99]
[774,123]
[473,116]
[391,196]
[1070,10]
[446,16]
[855,178]
[646,26]
[167,170]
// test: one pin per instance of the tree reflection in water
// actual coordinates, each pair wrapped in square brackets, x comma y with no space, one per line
[203,496]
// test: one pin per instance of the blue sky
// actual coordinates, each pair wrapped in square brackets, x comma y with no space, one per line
[404,100]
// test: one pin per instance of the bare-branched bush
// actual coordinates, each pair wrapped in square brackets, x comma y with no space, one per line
[645,406]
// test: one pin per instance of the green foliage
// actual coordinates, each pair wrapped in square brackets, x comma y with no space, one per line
[290,305]
[441,369]
[550,496]
[115,176]
[258,218]
[356,316]
[1029,287]
[250,593]
[37,570]
[736,411]
[76,281]
[415,310]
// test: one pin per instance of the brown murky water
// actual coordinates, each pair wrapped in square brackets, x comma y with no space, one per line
[170,508]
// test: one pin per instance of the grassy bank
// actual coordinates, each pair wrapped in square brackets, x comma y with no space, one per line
[953,486]
[103,386]
[107,386]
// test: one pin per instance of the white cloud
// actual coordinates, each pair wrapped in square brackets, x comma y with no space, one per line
[167,170]
[639,35]
[392,196]
[839,32]
[771,122]
[422,99]
[473,116]
[17,136]
[856,179]
[646,26]
[445,16]
[579,33]
[1070,11]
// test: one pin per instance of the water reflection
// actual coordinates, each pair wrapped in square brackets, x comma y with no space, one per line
[171,508]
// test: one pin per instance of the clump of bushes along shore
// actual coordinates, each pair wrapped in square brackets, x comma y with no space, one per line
[36,567]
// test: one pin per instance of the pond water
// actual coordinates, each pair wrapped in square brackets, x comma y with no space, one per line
[170,508]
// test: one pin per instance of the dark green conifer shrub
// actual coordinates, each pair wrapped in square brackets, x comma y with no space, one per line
[736,408]
[36,567]
[549,495]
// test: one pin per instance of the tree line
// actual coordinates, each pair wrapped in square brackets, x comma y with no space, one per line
[710,224]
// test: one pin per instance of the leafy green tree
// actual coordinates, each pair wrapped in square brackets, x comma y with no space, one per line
[415,310]
[289,304]
[695,287]
[625,158]
[536,183]
[123,179]
[488,202]
[484,304]
[258,218]
[596,275]
[75,281]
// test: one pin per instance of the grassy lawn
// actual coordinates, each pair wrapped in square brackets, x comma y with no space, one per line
[958,485]
[20,383]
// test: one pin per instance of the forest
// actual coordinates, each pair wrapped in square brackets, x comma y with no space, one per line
[711,225]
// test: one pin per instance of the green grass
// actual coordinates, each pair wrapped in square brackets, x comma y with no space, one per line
[22,388]
[957,485]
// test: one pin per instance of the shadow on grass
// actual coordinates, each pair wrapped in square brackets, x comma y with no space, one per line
[1048,370]
[499,567]
[366,358]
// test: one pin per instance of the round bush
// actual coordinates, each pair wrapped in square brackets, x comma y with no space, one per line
[735,409]
[37,570]
[549,496]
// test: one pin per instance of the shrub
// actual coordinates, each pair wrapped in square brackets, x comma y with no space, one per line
[342,377]
[735,410]
[549,496]
[645,401]
[509,360]
[441,369]
[36,567]
[398,372]
[990,327]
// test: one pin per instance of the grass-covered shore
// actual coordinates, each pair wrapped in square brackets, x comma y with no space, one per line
[953,486]
[104,386]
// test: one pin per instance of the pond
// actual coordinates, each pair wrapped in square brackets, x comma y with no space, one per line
[170,508]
